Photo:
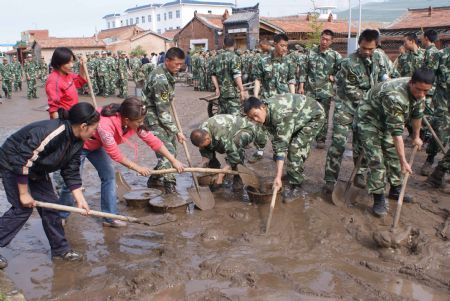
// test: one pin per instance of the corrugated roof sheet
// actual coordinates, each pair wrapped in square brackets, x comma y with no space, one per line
[240,17]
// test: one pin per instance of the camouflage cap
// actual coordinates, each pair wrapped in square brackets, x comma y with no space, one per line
[299,47]
[103,52]
[96,53]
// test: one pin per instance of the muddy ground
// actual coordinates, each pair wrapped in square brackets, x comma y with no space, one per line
[314,251]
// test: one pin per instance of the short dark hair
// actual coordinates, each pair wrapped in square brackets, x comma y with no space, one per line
[281,36]
[173,53]
[431,35]
[198,137]
[61,56]
[252,103]
[412,37]
[327,32]
[228,42]
[423,75]
[369,35]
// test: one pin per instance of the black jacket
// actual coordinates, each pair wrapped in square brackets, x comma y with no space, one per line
[43,147]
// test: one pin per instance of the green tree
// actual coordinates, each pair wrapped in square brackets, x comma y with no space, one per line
[138,51]
[313,38]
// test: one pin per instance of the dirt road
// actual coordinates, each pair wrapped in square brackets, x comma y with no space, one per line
[315,251]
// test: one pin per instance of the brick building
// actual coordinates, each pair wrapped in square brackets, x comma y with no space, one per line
[46,47]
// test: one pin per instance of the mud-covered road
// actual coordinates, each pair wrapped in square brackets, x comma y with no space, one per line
[314,251]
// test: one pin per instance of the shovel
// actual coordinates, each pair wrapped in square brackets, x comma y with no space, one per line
[339,195]
[393,237]
[91,91]
[166,218]
[249,177]
[272,206]
[201,196]
[433,133]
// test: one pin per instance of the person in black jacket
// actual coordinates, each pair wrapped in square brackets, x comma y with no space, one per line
[26,159]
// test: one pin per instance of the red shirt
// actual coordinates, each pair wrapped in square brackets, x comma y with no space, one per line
[62,91]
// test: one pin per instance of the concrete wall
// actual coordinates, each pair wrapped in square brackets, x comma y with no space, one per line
[48,52]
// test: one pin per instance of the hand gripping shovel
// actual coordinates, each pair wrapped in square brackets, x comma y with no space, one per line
[393,237]
[201,196]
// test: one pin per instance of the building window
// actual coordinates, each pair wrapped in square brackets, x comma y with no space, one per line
[178,27]
[131,21]
[170,15]
[177,14]
[121,23]
[109,26]
[143,19]
[137,20]
[114,24]
[159,31]
[165,16]
[149,18]
[170,28]
[209,12]
[158,17]
[126,21]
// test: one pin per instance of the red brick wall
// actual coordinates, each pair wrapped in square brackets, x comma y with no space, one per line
[197,30]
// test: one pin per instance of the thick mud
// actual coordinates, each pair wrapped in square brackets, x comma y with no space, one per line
[314,250]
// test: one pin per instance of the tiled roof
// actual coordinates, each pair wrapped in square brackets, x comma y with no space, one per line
[170,34]
[71,43]
[198,2]
[210,20]
[147,32]
[119,31]
[423,18]
[240,17]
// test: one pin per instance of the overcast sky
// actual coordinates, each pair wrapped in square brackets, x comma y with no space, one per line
[82,17]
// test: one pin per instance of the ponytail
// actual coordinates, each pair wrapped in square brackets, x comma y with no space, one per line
[111,110]
[132,108]
[82,112]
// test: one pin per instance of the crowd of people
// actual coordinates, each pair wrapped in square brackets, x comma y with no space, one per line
[290,102]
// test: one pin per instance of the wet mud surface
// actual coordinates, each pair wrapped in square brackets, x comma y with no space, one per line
[314,250]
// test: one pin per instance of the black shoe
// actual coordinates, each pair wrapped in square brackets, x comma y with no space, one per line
[169,187]
[380,205]
[3,262]
[394,194]
[359,181]
[69,256]
[291,193]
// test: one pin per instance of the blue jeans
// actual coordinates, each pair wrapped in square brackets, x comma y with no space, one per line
[104,166]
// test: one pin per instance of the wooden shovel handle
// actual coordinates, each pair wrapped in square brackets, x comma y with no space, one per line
[91,91]
[82,211]
[195,169]
[433,133]
[272,206]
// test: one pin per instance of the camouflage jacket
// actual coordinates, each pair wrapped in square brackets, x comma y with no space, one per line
[17,69]
[408,62]
[92,67]
[76,67]
[316,70]
[431,58]
[122,69]
[391,71]
[158,92]
[225,131]
[443,72]
[7,72]
[275,74]
[144,72]
[135,66]
[389,105]
[31,69]
[102,67]
[283,115]
[297,59]
[43,68]
[356,76]
[227,67]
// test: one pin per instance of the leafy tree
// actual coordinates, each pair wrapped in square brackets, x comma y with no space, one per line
[138,51]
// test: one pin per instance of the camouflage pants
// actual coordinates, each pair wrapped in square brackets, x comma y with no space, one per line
[300,146]
[342,125]
[202,81]
[322,136]
[439,121]
[102,85]
[31,88]
[123,87]
[382,158]
[7,86]
[445,162]
[169,141]
[229,106]
[17,83]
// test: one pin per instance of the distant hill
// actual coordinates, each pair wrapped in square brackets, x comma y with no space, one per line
[389,10]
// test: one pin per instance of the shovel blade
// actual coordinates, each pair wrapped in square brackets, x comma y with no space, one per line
[203,198]
[122,186]
[249,177]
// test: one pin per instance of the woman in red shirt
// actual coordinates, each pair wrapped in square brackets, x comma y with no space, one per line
[61,86]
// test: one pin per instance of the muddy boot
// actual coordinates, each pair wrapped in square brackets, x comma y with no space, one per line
[237,184]
[154,181]
[320,145]
[359,181]
[328,188]
[69,256]
[394,194]
[437,178]
[380,205]
[258,155]
[169,187]
[427,167]
[291,193]
[3,262]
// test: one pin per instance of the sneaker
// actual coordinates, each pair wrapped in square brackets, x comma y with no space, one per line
[258,155]
[328,187]
[115,224]
[427,168]
[380,205]
[291,193]
[69,256]
[320,145]
[3,262]
[394,194]
[359,181]
[169,187]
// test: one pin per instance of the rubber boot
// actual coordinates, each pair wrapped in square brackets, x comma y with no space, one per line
[394,194]
[328,187]
[291,193]
[437,178]
[380,205]
[169,187]
[427,167]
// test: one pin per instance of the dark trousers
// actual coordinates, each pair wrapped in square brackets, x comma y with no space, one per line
[13,220]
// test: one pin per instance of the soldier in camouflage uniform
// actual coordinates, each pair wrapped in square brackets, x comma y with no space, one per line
[413,57]
[202,72]
[8,78]
[76,69]
[144,73]
[439,111]
[123,76]
[294,120]
[227,80]
[226,134]
[43,71]
[135,66]
[318,70]
[297,58]
[157,94]
[30,70]
[195,70]
[275,73]
[91,67]
[111,74]
[358,73]
[102,71]
[381,119]
[209,69]
[18,74]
